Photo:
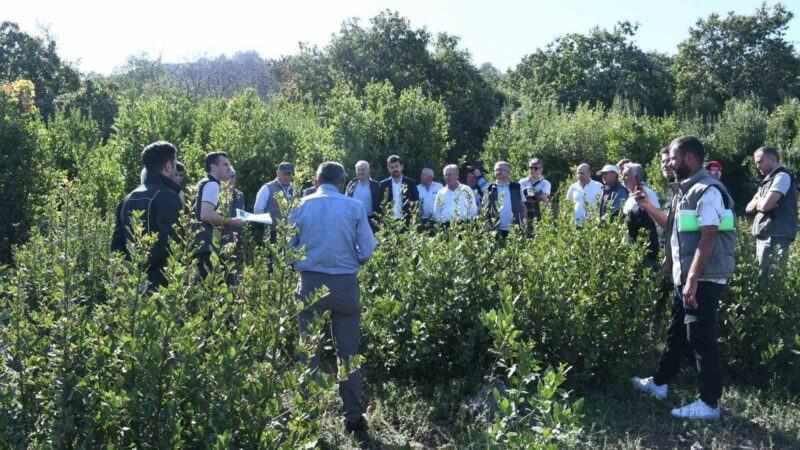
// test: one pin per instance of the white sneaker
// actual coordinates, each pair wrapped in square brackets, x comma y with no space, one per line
[647,385]
[698,410]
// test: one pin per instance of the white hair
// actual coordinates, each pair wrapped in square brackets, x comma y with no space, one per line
[504,164]
[427,171]
[362,163]
[450,166]
[636,169]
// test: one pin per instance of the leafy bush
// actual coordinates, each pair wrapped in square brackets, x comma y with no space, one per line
[19,163]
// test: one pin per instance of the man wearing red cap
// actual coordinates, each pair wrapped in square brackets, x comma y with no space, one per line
[714,169]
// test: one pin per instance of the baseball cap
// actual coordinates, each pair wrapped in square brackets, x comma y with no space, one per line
[714,165]
[608,168]
[286,167]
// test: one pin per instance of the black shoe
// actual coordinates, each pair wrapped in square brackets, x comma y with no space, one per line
[358,429]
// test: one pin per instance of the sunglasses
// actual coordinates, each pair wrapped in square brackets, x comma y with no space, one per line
[536,168]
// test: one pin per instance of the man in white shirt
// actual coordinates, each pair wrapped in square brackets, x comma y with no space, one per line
[584,193]
[536,189]
[427,194]
[455,201]
[206,206]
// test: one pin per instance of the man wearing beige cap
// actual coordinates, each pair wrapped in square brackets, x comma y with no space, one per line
[265,199]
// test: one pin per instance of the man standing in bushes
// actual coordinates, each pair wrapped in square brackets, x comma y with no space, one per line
[427,188]
[335,232]
[584,193]
[399,190]
[701,250]
[505,201]
[455,202]
[614,193]
[536,189]
[775,207]
[205,209]
[364,188]
[160,203]
[265,198]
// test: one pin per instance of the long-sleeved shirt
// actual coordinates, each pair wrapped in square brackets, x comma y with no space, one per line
[457,204]
[363,192]
[334,230]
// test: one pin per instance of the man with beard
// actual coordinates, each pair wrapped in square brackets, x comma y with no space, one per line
[703,260]
[399,190]
[158,198]
[775,207]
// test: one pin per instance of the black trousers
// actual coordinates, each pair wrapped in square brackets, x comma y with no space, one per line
[698,330]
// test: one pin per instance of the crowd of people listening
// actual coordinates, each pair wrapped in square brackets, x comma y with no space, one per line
[335,221]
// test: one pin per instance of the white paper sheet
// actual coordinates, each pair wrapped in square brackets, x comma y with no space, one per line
[256,218]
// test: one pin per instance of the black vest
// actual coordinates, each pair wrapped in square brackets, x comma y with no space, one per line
[781,221]
[492,209]
[205,237]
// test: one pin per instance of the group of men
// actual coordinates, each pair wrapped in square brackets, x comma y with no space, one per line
[334,223]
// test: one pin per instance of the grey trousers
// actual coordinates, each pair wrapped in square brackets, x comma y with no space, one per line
[343,302]
[770,250]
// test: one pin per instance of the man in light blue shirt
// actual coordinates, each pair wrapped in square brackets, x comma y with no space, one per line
[334,232]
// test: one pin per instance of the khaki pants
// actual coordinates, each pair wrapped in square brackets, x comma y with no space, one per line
[343,302]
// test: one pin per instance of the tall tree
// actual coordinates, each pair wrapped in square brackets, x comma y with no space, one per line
[390,49]
[596,68]
[35,58]
[737,56]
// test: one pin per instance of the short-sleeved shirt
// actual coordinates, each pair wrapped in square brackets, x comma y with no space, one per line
[506,213]
[710,209]
[543,186]
[781,183]
[211,193]
[427,197]
[583,196]
[631,205]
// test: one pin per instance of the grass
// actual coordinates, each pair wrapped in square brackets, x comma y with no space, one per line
[615,417]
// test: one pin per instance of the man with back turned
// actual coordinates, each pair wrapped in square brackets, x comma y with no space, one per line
[335,234]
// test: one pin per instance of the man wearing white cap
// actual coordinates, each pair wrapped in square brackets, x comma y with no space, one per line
[614,193]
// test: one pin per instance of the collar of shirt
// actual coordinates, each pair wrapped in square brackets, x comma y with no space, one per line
[328,188]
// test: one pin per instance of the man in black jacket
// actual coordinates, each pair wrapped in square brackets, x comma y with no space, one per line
[399,190]
[364,188]
[158,199]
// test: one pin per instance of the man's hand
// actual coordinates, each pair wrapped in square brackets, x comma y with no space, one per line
[234,222]
[752,207]
[641,197]
[690,293]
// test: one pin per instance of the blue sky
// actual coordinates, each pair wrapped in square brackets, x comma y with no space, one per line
[100,35]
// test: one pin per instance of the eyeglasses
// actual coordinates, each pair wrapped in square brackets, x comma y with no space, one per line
[536,168]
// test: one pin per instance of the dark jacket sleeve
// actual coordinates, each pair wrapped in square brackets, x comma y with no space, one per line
[377,200]
[118,237]
[166,208]
[411,191]
[382,188]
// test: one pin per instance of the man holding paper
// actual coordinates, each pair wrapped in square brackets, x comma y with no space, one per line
[205,208]
[702,245]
